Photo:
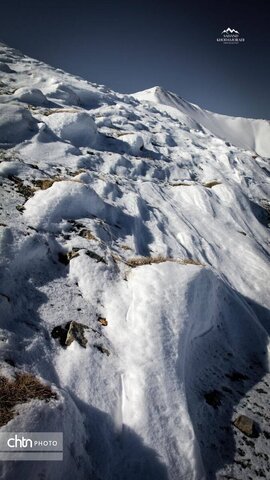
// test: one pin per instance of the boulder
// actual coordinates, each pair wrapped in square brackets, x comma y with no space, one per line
[67,256]
[102,349]
[103,321]
[245,425]
[69,332]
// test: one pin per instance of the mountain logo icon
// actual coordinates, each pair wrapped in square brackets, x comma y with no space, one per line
[230,30]
[230,36]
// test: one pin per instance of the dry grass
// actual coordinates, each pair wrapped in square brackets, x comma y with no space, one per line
[60,110]
[191,261]
[138,261]
[211,184]
[77,172]
[84,233]
[122,134]
[126,247]
[21,188]
[181,184]
[23,388]
[46,183]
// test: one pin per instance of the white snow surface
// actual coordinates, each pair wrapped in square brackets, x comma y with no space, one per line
[76,127]
[166,209]
[242,132]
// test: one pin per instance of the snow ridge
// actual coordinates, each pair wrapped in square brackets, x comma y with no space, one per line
[245,133]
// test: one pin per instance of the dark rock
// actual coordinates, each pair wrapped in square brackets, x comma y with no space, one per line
[76,332]
[21,188]
[95,256]
[20,208]
[5,296]
[245,425]
[65,257]
[236,376]
[69,332]
[227,389]
[260,390]
[75,225]
[240,452]
[10,362]
[213,398]
[103,321]
[102,349]
[87,234]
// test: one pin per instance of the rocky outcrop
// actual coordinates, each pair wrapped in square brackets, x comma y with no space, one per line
[69,332]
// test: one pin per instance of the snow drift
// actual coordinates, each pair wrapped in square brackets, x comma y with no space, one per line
[77,127]
[16,124]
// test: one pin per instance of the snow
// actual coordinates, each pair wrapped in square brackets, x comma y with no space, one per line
[61,92]
[64,200]
[77,127]
[162,364]
[16,124]
[5,68]
[162,211]
[243,132]
[32,96]
[135,141]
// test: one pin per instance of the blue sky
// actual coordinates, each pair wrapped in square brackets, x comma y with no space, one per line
[134,45]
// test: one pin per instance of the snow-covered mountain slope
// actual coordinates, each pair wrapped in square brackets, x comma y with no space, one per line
[242,132]
[131,218]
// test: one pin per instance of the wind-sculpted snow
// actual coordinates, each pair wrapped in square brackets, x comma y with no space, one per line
[32,96]
[145,219]
[76,127]
[16,124]
[177,327]
[63,200]
[242,132]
